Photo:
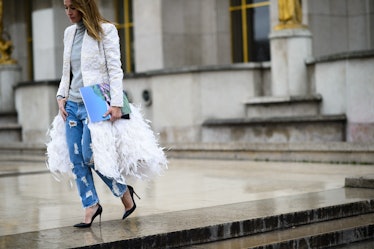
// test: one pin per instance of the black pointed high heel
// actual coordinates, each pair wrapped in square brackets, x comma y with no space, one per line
[85,225]
[130,211]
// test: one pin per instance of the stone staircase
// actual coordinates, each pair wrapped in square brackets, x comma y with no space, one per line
[329,234]
[334,218]
[328,152]
[274,129]
[278,120]
[349,225]
[323,152]
[288,106]
[19,151]
[10,130]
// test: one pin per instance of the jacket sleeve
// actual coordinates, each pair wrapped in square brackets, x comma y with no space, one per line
[112,53]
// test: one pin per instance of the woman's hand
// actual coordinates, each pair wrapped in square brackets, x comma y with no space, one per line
[115,113]
[61,107]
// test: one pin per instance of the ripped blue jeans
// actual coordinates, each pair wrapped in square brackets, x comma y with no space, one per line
[79,142]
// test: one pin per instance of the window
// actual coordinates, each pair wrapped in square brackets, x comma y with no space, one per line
[250,27]
[125,30]
[28,17]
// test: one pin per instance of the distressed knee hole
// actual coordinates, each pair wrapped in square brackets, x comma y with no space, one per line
[72,123]
[76,149]
[84,180]
[115,189]
[89,193]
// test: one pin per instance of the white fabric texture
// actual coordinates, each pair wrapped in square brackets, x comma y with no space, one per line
[124,150]
[100,62]
[58,160]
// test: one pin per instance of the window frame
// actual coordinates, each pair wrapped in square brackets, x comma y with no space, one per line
[243,7]
[126,31]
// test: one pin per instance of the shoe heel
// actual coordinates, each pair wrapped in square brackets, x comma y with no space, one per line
[99,211]
[132,191]
[136,195]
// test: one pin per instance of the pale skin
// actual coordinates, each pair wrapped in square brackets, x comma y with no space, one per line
[75,16]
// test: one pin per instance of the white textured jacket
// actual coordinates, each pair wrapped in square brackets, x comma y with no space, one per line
[123,149]
[100,62]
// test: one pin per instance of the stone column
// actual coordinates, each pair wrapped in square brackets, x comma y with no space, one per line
[35,101]
[44,45]
[10,75]
[289,49]
[10,72]
[48,24]
[291,45]
[148,35]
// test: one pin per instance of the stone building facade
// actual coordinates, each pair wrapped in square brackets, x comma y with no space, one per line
[215,70]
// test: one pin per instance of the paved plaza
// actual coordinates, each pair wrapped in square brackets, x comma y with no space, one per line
[32,200]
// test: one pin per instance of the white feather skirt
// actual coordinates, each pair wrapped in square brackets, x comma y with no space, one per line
[58,161]
[124,150]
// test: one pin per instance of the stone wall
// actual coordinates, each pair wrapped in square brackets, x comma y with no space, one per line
[36,106]
[183,99]
[345,82]
[181,33]
[10,75]
[340,25]
[194,36]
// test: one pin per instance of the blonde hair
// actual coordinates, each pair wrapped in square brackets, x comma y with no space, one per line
[91,17]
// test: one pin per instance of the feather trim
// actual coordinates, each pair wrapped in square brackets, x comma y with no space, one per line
[57,154]
[127,149]
[123,150]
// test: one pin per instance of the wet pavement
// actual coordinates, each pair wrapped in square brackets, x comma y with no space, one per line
[32,200]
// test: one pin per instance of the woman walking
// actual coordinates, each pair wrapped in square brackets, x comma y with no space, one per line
[116,150]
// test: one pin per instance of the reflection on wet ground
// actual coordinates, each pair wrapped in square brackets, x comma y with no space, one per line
[33,200]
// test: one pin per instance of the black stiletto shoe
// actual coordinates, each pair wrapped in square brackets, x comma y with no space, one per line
[130,211]
[85,225]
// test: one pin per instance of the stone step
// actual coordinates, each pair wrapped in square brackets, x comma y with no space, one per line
[366,244]
[19,151]
[287,106]
[331,152]
[330,128]
[366,181]
[10,132]
[218,223]
[327,152]
[8,118]
[328,234]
